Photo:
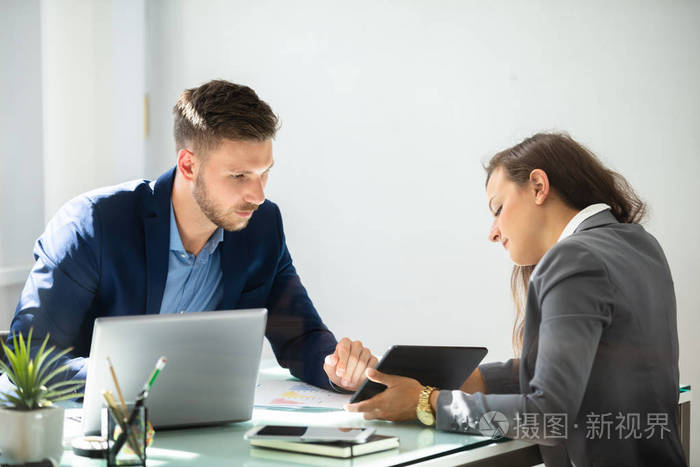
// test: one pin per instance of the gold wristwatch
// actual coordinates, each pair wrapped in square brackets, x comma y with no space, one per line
[424,411]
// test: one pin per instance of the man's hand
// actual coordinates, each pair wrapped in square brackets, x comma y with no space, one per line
[397,402]
[346,366]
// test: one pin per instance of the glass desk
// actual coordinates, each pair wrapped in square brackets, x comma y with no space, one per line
[420,445]
[224,445]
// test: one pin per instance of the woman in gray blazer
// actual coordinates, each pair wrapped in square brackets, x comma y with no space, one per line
[597,380]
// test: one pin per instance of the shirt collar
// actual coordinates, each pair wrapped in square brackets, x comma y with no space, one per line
[176,242]
[581,216]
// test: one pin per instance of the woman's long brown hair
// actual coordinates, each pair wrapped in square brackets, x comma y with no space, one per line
[577,175]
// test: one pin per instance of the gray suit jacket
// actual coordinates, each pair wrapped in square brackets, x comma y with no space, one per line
[597,383]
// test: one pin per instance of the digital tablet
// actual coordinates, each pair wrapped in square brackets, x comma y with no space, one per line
[441,367]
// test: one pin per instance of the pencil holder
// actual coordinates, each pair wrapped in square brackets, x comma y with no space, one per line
[127,436]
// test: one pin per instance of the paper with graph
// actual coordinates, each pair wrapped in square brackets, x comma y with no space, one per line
[295,394]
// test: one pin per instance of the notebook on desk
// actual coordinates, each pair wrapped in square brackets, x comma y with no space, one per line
[341,449]
[212,365]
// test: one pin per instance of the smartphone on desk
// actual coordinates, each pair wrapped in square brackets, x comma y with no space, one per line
[310,433]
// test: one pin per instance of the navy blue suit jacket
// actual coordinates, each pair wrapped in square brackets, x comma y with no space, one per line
[105,253]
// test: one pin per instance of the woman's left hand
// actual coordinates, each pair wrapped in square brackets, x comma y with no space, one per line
[398,401]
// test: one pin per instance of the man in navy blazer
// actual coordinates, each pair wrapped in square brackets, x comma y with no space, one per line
[201,237]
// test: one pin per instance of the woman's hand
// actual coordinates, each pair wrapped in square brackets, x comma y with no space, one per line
[475,383]
[398,402]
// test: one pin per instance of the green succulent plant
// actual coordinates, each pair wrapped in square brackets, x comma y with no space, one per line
[30,375]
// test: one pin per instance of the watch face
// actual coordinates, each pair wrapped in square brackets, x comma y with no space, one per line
[426,418]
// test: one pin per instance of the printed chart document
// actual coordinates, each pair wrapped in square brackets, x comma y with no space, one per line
[296,394]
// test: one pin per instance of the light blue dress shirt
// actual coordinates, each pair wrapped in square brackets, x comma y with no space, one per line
[194,282]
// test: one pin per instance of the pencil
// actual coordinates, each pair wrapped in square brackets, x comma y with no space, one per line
[151,379]
[116,385]
[122,422]
[112,404]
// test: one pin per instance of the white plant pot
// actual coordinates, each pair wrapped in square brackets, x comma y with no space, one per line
[32,435]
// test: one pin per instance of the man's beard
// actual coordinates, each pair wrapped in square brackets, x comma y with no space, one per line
[226,219]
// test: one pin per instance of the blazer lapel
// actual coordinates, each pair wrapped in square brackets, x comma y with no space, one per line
[157,234]
[235,259]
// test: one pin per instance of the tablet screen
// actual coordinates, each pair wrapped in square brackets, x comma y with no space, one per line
[439,366]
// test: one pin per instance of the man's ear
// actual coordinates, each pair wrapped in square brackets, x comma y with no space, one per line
[539,183]
[186,164]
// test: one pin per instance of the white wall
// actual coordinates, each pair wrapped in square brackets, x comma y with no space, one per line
[71,119]
[388,109]
[21,173]
[93,85]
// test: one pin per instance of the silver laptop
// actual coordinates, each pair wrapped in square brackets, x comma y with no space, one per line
[210,375]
